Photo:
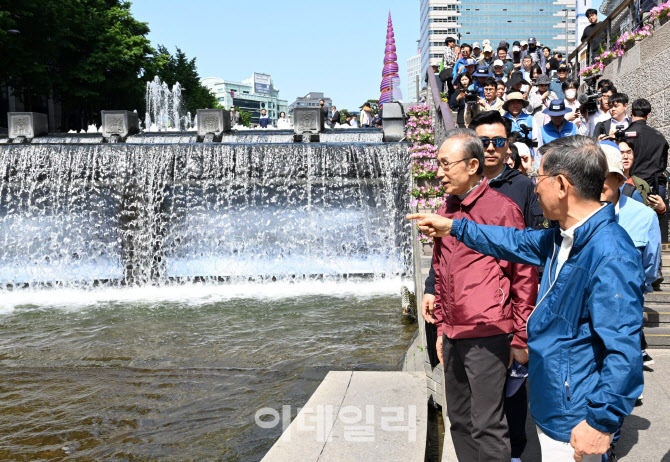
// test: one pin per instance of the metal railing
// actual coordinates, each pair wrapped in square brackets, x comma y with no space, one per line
[624,18]
[439,110]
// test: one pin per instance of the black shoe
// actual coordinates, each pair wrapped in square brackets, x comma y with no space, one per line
[646,359]
[638,402]
[611,457]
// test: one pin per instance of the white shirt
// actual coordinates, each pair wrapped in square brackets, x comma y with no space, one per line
[599,116]
[353,123]
[568,239]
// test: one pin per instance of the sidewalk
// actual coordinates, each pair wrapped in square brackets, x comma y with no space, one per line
[646,432]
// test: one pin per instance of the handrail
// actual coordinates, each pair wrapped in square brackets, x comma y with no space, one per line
[440,111]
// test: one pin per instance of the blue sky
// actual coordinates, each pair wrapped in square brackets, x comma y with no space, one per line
[333,47]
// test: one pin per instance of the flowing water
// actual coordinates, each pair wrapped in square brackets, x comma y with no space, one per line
[153,297]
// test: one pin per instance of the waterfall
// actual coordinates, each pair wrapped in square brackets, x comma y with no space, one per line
[144,213]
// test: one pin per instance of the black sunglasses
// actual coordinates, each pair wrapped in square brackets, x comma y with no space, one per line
[498,141]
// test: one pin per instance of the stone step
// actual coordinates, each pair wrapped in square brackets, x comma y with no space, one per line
[661,298]
[656,315]
[657,337]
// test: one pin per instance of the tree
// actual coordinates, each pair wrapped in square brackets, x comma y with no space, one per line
[245,118]
[178,68]
[344,113]
[374,104]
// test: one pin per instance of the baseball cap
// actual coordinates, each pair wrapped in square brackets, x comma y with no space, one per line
[515,49]
[487,48]
[613,155]
[516,376]
[476,45]
[470,62]
[498,62]
[563,67]
[524,43]
[503,44]
[532,40]
[486,42]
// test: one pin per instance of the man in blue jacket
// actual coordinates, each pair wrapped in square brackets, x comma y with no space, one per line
[557,127]
[585,367]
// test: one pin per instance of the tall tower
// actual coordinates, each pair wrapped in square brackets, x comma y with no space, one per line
[390,73]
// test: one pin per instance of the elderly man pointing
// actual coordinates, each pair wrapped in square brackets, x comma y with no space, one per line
[585,368]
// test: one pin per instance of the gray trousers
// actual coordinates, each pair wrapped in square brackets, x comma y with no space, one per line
[475,370]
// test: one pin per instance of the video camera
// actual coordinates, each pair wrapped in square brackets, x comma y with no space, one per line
[525,137]
[471,96]
[620,134]
[589,100]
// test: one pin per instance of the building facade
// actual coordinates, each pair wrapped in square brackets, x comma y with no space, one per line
[471,21]
[251,95]
[413,78]
[311,99]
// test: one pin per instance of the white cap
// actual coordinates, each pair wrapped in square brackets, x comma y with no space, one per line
[515,49]
[524,43]
[476,45]
[613,155]
[486,42]
[498,62]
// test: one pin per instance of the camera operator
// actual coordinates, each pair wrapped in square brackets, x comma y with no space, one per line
[490,101]
[650,149]
[618,108]
[461,100]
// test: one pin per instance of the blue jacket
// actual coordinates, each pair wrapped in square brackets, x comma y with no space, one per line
[584,334]
[549,132]
[524,119]
[264,121]
[641,224]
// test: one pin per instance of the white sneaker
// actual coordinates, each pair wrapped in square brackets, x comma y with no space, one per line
[516,459]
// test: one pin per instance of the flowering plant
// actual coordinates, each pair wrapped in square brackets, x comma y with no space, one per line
[592,70]
[421,135]
[424,239]
[660,11]
[432,203]
[419,110]
[626,38]
[611,54]
[427,169]
[643,32]
[423,150]
[427,191]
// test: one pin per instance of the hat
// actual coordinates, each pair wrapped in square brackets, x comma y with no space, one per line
[516,78]
[470,62]
[486,42]
[476,45]
[532,41]
[503,44]
[517,43]
[543,79]
[487,48]
[563,67]
[524,43]
[613,155]
[514,96]
[515,49]
[557,108]
[498,62]
[516,376]
[482,71]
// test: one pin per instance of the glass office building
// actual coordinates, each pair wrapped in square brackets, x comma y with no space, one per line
[413,78]
[471,21]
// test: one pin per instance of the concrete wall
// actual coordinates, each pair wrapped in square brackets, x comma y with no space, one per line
[644,72]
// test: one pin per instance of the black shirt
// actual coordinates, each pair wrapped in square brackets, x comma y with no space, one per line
[651,152]
[588,30]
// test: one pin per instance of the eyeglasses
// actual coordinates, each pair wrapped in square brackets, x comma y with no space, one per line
[498,141]
[534,176]
[447,166]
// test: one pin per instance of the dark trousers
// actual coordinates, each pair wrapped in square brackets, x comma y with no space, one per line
[516,410]
[475,370]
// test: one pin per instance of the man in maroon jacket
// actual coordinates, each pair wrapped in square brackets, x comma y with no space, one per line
[481,305]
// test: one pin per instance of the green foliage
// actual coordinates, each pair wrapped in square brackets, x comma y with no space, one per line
[89,55]
[344,113]
[245,118]
[178,68]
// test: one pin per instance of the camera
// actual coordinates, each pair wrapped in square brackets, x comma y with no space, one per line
[471,96]
[589,100]
[525,136]
[620,134]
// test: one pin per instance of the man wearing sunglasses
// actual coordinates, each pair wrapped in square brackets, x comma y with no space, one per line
[481,305]
[585,328]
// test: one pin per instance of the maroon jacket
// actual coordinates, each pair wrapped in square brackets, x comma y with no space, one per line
[476,295]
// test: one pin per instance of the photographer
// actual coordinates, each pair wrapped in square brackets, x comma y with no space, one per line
[458,101]
[540,97]
[603,112]
[618,108]
[490,101]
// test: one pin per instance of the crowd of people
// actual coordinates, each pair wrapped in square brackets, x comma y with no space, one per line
[544,184]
